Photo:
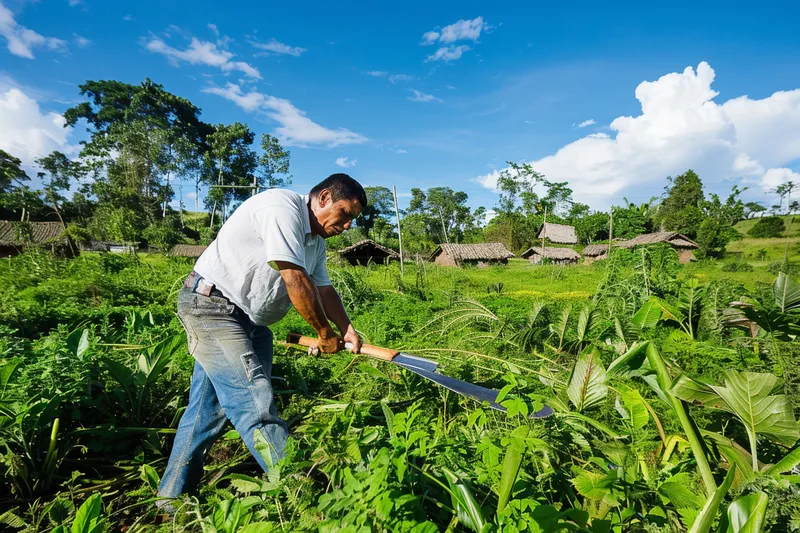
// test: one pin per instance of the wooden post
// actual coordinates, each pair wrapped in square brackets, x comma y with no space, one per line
[444,228]
[399,233]
[610,229]
[544,229]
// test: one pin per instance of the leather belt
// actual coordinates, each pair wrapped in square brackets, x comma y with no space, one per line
[198,284]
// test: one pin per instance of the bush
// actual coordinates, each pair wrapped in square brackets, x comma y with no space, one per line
[790,268]
[737,266]
[767,227]
[163,234]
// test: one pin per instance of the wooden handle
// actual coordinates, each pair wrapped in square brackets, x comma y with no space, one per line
[373,351]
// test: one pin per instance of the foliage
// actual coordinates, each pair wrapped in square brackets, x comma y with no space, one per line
[767,227]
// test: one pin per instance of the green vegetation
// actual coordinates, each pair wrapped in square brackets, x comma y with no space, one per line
[643,360]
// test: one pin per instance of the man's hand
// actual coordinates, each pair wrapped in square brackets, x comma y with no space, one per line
[329,342]
[352,337]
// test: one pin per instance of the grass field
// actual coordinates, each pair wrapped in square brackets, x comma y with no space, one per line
[792,223]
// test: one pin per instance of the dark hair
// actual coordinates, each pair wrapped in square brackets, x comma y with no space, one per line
[342,187]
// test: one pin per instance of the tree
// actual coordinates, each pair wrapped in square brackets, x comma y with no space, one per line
[681,210]
[380,203]
[230,161]
[58,172]
[10,171]
[767,227]
[751,209]
[274,160]
[593,227]
[785,190]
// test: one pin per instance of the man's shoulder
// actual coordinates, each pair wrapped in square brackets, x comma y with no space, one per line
[272,197]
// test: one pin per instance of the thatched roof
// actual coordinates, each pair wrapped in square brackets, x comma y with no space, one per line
[593,250]
[675,239]
[41,233]
[559,233]
[483,251]
[366,246]
[188,250]
[559,254]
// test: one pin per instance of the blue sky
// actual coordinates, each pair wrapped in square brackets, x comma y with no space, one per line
[440,93]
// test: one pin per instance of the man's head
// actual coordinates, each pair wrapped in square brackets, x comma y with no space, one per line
[335,202]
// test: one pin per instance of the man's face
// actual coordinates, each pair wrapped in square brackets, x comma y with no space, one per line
[335,217]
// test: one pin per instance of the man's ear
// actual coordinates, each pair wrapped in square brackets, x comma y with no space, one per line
[324,197]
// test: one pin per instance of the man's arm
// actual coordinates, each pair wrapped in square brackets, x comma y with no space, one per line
[305,298]
[334,309]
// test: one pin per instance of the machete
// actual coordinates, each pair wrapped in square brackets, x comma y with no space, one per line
[426,369]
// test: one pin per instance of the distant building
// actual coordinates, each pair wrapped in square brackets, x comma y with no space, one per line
[594,252]
[368,251]
[460,254]
[17,236]
[558,233]
[558,256]
[683,244]
[188,250]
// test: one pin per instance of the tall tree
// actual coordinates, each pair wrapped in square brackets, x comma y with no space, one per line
[784,190]
[57,173]
[273,162]
[380,205]
[231,161]
[682,208]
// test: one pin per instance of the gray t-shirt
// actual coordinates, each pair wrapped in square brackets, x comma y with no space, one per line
[270,226]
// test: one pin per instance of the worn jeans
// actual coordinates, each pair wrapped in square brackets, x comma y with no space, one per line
[231,380]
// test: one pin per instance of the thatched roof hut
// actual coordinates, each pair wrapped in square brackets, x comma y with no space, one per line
[188,250]
[594,252]
[559,256]
[368,251]
[16,236]
[680,242]
[458,254]
[559,233]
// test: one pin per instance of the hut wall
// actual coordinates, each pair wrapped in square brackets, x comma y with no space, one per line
[684,255]
[444,259]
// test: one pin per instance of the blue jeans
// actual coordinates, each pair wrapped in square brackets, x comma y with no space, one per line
[231,380]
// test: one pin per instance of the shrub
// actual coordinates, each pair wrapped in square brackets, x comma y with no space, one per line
[737,266]
[790,268]
[767,227]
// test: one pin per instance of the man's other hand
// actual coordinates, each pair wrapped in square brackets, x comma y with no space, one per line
[352,337]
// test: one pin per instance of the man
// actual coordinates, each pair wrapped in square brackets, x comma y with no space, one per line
[268,256]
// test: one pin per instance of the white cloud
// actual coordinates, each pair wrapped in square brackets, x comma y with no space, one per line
[213,28]
[295,128]
[778,176]
[75,3]
[422,97]
[80,41]
[394,78]
[377,73]
[277,47]
[463,30]
[128,18]
[345,163]
[448,53]
[202,53]
[28,132]
[681,127]
[587,123]
[22,40]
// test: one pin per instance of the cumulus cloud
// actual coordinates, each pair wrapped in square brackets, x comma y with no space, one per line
[345,163]
[422,97]
[295,128]
[587,123]
[681,127]
[202,53]
[463,30]
[277,47]
[30,132]
[21,41]
[448,53]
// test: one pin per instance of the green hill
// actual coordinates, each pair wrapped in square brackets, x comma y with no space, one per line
[793,228]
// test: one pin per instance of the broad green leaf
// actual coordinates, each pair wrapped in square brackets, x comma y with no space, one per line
[587,385]
[149,475]
[161,354]
[653,311]
[593,485]
[693,391]
[631,361]
[635,408]
[263,447]
[746,515]
[372,371]
[789,461]
[244,484]
[705,519]
[86,519]
[7,372]
[470,513]
[734,453]
[511,464]
[258,527]
[787,293]
[121,373]
[680,495]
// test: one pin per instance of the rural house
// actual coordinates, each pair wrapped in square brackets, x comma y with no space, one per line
[558,233]
[594,252]
[188,250]
[558,256]
[368,251]
[683,244]
[16,236]
[459,254]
